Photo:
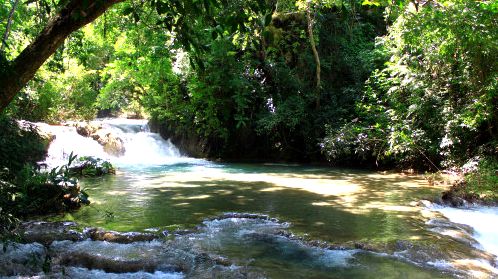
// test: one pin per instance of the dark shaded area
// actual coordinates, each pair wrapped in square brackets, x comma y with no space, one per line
[19,145]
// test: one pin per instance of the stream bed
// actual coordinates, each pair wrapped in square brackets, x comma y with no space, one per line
[318,222]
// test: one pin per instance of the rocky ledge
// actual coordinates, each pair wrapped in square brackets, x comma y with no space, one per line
[59,249]
[112,144]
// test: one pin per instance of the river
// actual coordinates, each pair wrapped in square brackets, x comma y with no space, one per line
[367,219]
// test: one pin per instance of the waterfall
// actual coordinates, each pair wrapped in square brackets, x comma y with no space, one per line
[142,148]
[68,141]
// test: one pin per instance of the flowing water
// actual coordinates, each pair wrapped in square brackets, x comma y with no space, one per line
[156,188]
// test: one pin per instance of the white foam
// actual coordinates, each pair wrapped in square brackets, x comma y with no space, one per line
[79,272]
[484,220]
[335,258]
[114,251]
[67,140]
[142,148]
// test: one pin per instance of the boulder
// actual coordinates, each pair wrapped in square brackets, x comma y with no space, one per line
[111,143]
[86,129]
[19,260]
[48,232]
[457,196]
[116,237]
[91,166]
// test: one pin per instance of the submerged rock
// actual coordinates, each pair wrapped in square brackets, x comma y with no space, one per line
[48,232]
[249,239]
[81,272]
[116,237]
[18,259]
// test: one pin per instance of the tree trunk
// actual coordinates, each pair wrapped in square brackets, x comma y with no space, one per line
[76,14]
[9,24]
[315,54]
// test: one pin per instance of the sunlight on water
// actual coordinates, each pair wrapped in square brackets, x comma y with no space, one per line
[154,178]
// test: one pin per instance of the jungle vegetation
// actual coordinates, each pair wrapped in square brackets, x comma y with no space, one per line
[370,83]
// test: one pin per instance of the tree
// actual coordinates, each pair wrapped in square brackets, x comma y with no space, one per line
[9,23]
[315,52]
[74,15]
[174,15]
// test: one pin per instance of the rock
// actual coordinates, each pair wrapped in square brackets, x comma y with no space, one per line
[458,196]
[47,136]
[459,232]
[112,144]
[119,258]
[21,259]
[421,203]
[425,203]
[91,166]
[87,129]
[452,199]
[47,232]
[116,237]
[445,223]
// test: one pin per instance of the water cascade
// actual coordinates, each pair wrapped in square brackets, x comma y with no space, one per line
[484,221]
[365,216]
[142,148]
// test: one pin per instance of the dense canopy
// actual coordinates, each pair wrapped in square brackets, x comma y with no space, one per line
[408,84]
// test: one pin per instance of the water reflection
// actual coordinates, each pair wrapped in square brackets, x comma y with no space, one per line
[335,205]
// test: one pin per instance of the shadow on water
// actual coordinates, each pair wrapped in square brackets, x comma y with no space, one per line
[333,205]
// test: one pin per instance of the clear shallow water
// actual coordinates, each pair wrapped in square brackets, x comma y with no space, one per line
[333,205]
[157,187]
[280,257]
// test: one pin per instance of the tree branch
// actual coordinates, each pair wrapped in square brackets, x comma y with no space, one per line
[9,24]
[76,14]
[315,53]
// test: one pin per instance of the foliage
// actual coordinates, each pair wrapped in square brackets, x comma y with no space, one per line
[434,103]
[90,166]
[254,91]
[35,192]
[8,222]
[483,182]
[19,145]
[240,74]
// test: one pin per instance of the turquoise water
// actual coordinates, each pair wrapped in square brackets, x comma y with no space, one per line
[336,206]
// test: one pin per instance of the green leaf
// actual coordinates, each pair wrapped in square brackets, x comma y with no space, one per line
[128,10]
[161,7]
[136,17]
[267,19]
[371,3]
